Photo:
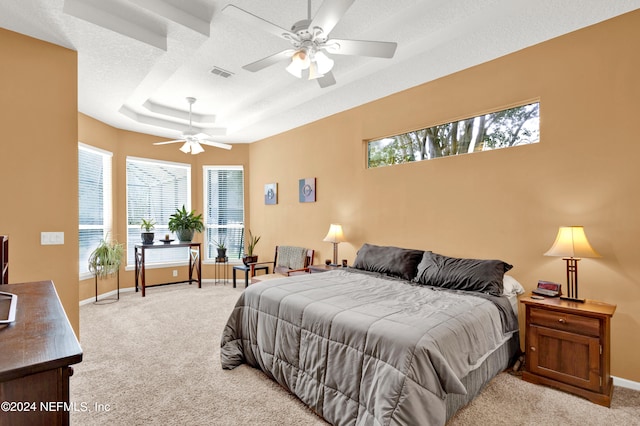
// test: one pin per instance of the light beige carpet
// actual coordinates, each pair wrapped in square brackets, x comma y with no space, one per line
[156,361]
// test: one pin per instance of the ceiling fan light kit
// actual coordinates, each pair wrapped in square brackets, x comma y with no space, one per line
[316,62]
[310,40]
[192,142]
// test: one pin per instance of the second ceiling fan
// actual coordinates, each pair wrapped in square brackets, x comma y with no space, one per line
[193,141]
[310,42]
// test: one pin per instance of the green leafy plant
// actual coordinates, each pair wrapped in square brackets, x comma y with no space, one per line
[106,258]
[221,243]
[185,223]
[251,243]
[147,225]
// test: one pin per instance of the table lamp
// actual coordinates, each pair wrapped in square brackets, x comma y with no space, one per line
[571,244]
[335,236]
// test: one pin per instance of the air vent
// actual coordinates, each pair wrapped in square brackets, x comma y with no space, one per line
[221,72]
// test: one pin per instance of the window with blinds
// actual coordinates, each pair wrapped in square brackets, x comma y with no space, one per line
[155,189]
[94,201]
[224,210]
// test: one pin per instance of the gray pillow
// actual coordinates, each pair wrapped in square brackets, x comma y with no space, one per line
[484,276]
[394,261]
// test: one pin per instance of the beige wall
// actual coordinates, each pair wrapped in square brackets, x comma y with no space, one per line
[505,204]
[123,144]
[38,162]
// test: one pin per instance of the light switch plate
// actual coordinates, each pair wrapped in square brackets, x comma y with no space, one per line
[51,238]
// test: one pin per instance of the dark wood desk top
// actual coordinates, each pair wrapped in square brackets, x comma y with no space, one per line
[41,337]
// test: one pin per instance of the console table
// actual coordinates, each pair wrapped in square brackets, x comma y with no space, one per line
[195,262]
[37,351]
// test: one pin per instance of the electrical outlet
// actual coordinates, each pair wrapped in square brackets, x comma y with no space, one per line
[175,272]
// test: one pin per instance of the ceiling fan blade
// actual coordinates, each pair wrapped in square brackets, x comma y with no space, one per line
[269,60]
[164,143]
[329,13]
[378,49]
[216,144]
[326,80]
[256,21]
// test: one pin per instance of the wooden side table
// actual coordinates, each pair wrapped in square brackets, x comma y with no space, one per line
[567,346]
[248,271]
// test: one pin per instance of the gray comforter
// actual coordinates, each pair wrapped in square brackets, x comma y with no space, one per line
[362,349]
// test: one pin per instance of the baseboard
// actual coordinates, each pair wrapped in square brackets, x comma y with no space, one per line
[106,295]
[624,383]
[128,289]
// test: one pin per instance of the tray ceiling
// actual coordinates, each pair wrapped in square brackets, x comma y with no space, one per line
[139,59]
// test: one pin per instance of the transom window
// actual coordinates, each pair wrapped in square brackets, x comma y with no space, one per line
[94,201]
[502,129]
[224,210]
[155,189]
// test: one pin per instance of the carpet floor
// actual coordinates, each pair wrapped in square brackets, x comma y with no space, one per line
[156,360]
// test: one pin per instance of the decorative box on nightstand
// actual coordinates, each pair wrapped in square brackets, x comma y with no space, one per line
[567,346]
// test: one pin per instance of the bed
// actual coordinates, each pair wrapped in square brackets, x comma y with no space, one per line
[403,337]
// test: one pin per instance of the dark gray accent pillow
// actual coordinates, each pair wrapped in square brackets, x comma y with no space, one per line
[484,276]
[394,261]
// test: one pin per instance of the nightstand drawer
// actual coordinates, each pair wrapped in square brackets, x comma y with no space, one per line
[565,322]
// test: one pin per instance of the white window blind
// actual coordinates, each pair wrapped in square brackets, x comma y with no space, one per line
[224,210]
[155,189]
[94,201]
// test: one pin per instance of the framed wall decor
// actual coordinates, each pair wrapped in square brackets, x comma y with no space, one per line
[271,193]
[307,190]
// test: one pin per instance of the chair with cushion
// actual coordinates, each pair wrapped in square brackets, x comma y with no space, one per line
[287,260]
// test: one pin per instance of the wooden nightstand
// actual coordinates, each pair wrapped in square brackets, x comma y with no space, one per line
[567,346]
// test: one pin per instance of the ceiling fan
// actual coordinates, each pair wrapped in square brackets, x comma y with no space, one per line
[193,141]
[310,41]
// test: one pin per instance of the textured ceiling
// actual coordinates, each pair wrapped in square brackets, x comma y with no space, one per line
[139,59]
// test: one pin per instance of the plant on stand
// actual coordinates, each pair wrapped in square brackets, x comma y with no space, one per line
[249,257]
[148,227]
[105,260]
[221,245]
[185,223]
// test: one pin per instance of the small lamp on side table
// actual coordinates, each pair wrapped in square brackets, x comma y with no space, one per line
[571,244]
[335,236]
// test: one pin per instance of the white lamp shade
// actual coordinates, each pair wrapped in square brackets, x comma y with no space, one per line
[294,69]
[335,234]
[323,62]
[196,148]
[186,147]
[571,241]
[299,61]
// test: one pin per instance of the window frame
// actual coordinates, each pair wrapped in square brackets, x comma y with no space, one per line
[107,204]
[208,254]
[170,256]
[409,153]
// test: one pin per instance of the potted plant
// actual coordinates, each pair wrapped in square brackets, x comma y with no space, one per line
[185,223]
[249,257]
[221,245]
[147,226]
[106,258]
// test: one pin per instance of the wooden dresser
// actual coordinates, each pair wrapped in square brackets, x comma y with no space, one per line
[567,346]
[36,352]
